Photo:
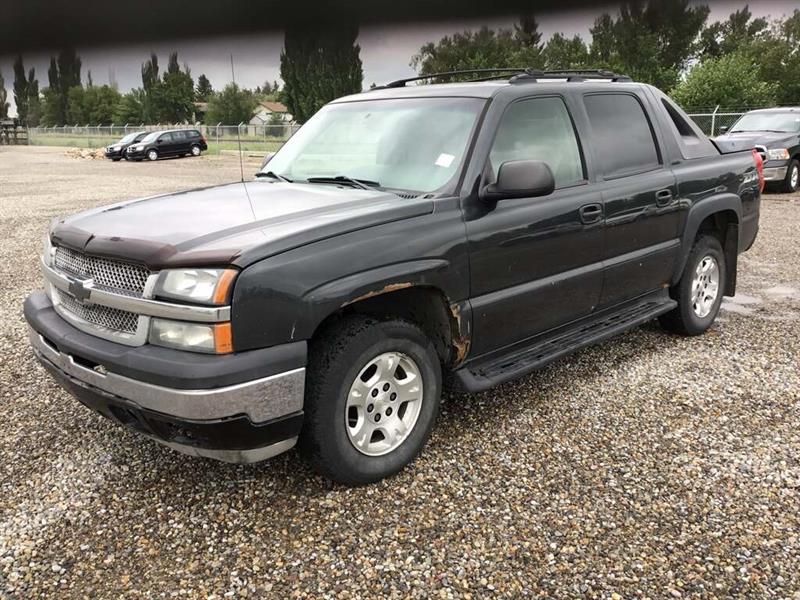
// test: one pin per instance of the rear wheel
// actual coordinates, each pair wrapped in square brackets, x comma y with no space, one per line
[792,181]
[372,399]
[152,155]
[699,292]
[196,150]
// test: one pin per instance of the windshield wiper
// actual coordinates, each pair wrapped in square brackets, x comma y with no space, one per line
[364,184]
[274,175]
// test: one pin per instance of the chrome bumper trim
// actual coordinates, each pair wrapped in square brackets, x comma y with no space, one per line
[261,400]
[235,456]
[142,306]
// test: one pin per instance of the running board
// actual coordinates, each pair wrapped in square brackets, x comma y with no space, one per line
[484,374]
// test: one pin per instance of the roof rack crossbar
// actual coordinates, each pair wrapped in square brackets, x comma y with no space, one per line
[403,82]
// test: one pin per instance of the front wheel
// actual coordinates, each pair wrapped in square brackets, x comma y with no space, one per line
[152,155]
[792,181]
[699,292]
[373,395]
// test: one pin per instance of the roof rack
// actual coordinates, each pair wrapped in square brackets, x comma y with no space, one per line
[518,75]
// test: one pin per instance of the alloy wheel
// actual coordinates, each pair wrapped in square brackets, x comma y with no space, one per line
[383,403]
[705,286]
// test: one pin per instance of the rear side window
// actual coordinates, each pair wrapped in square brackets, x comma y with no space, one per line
[623,136]
[193,133]
[539,129]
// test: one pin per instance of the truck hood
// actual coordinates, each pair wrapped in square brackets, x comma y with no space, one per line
[233,224]
[746,140]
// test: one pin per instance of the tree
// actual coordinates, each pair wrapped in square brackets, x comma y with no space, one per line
[3,98]
[231,106]
[63,75]
[482,49]
[175,94]
[737,33]
[76,112]
[728,81]
[652,42]
[130,108]
[319,64]
[561,52]
[21,90]
[34,103]
[203,90]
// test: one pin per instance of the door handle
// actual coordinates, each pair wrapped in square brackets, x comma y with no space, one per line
[663,197]
[590,213]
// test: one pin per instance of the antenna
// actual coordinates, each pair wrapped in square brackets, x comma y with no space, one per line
[238,133]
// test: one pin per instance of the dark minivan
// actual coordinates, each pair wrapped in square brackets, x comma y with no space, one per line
[116,152]
[161,144]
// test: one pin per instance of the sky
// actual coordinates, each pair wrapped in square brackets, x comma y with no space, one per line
[385,50]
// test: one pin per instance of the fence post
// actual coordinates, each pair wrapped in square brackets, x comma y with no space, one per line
[714,120]
[218,124]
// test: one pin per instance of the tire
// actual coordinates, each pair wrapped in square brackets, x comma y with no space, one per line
[693,316]
[792,182]
[152,155]
[339,360]
[116,159]
[196,151]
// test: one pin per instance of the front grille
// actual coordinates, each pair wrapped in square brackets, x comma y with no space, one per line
[100,316]
[107,274]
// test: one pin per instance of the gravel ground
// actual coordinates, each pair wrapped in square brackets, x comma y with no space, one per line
[652,466]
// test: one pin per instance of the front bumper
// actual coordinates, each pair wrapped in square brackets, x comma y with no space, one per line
[242,407]
[775,170]
[115,153]
[135,154]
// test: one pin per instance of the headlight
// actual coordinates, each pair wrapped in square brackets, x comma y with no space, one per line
[202,286]
[194,337]
[778,154]
[117,148]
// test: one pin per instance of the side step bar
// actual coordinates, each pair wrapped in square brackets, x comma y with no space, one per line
[484,374]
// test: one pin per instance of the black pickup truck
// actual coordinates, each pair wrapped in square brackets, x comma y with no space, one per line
[775,134]
[481,229]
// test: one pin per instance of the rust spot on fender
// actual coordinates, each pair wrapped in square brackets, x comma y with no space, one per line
[392,287]
[460,337]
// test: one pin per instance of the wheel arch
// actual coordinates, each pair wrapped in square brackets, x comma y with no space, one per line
[720,216]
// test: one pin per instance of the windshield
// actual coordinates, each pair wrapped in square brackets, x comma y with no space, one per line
[783,122]
[151,137]
[128,138]
[413,144]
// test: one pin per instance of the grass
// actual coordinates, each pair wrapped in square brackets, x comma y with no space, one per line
[249,144]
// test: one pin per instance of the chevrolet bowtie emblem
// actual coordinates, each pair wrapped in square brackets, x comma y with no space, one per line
[81,289]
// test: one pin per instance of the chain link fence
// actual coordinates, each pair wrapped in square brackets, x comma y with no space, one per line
[253,138]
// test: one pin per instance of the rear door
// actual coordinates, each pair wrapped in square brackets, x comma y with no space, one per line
[535,263]
[181,142]
[639,196]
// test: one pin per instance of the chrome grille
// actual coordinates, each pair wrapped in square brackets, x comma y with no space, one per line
[111,275]
[100,316]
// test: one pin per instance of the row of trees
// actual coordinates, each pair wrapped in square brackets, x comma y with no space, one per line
[167,97]
[742,61]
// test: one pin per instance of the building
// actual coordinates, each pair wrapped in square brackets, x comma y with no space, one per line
[268,113]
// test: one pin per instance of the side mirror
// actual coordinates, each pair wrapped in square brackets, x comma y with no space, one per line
[723,129]
[520,179]
[159,140]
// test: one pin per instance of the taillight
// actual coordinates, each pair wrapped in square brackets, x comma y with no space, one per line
[759,169]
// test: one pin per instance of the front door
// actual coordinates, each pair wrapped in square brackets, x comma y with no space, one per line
[535,263]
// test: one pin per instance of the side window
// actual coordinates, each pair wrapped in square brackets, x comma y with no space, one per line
[178,136]
[165,138]
[539,129]
[622,134]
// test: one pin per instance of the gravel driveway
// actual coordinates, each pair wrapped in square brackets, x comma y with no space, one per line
[651,466]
